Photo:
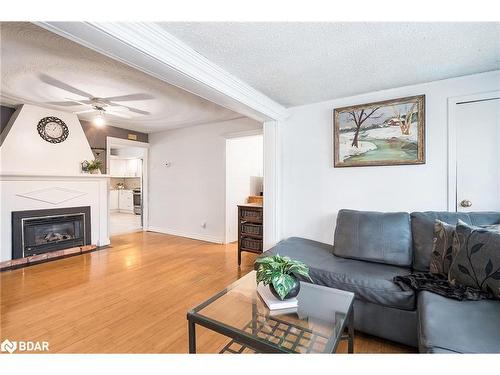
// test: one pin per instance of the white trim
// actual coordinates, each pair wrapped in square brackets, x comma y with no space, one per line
[452,141]
[126,142]
[112,141]
[194,236]
[243,133]
[272,183]
[54,176]
[148,47]
[226,189]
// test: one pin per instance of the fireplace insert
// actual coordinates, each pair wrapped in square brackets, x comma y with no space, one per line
[40,231]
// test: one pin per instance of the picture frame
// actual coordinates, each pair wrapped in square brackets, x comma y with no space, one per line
[377,133]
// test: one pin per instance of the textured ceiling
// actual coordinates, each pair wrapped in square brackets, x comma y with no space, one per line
[300,63]
[29,53]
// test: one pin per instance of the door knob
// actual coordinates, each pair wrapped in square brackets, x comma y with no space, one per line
[466,203]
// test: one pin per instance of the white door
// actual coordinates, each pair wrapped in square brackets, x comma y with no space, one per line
[478,156]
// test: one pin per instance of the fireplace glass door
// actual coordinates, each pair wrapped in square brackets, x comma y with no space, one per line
[52,233]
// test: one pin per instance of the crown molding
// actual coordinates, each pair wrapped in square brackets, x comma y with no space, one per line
[151,49]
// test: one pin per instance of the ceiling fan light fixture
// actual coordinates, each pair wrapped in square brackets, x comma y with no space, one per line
[99,120]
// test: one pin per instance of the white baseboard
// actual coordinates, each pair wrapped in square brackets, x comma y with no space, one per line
[194,236]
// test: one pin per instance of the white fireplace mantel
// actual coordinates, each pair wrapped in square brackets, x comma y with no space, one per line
[30,191]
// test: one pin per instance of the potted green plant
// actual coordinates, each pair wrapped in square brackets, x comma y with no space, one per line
[280,273]
[94,166]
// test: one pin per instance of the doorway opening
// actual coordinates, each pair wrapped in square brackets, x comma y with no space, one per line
[244,178]
[127,167]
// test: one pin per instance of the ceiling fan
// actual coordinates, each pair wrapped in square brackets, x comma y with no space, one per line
[100,105]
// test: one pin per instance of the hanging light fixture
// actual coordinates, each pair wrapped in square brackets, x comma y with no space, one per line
[99,119]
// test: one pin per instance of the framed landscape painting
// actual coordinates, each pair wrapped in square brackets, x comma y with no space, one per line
[391,132]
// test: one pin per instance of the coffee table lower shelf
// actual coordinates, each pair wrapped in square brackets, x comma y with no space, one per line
[292,338]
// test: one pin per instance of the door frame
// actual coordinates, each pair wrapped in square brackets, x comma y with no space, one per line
[452,139]
[113,141]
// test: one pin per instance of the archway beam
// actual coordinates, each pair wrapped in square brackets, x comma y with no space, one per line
[148,47]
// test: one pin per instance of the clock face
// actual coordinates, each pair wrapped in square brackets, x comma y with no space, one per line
[53,129]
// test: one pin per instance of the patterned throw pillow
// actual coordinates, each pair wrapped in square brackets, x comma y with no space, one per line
[444,246]
[477,262]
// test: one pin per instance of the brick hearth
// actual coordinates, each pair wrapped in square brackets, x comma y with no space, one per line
[53,255]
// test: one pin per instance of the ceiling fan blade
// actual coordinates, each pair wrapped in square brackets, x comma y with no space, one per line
[131,109]
[84,102]
[124,98]
[86,111]
[139,111]
[116,108]
[117,114]
[63,104]
[64,86]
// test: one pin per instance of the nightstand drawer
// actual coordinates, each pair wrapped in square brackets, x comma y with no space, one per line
[252,215]
[251,244]
[252,229]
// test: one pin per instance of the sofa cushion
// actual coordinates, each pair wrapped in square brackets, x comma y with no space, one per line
[422,226]
[374,236]
[446,325]
[371,282]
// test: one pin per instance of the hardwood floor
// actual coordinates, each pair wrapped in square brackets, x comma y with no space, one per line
[129,298]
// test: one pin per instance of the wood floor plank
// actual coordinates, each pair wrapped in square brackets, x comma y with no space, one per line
[129,298]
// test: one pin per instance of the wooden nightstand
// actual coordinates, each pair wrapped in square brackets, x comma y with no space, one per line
[250,228]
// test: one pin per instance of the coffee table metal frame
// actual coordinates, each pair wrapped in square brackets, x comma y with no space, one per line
[249,340]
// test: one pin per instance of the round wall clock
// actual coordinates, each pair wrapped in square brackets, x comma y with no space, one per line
[53,129]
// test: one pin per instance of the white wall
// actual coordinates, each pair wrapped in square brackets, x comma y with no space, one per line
[25,152]
[314,191]
[191,191]
[244,166]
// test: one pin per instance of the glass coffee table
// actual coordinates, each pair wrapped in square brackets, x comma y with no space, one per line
[317,325]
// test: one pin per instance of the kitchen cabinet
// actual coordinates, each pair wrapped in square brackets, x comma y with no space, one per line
[133,169]
[139,168]
[117,167]
[126,201]
[113,200]
[125,167]
[121,200]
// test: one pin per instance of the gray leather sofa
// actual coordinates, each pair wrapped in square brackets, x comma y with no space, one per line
[373,247]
